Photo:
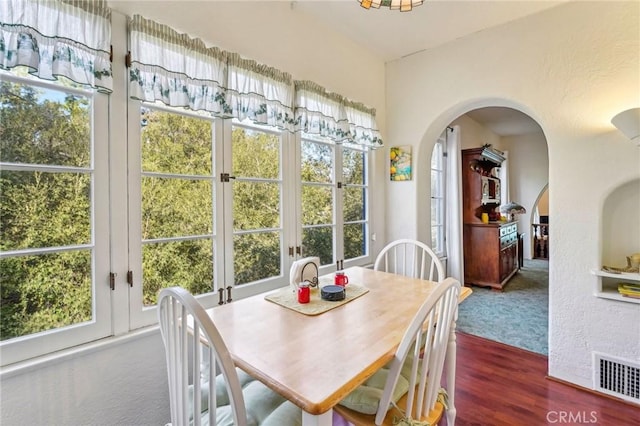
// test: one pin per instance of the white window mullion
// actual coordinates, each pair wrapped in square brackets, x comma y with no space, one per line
[338,196]
[138,317]
[226,201]
[221,134]
[118,166]
[290,198]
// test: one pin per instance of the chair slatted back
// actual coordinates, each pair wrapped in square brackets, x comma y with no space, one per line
[427,336]
[410,258]
[194,352]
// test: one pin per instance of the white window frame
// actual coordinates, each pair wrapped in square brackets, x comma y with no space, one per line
[438,180]
[141,315]
[37,344]
[338,202]
[286,200]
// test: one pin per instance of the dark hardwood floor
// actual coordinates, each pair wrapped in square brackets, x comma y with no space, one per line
[498,384]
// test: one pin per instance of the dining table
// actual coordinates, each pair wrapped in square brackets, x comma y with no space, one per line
[316,360]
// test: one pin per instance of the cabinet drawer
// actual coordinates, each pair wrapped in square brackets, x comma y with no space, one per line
[508,229]
[508,240]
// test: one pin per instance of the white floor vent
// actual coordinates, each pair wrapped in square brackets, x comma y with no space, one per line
[617,377]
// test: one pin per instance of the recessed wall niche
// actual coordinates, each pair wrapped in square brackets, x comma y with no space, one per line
[621,224]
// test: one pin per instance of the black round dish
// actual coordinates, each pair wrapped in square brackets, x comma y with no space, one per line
[332,293]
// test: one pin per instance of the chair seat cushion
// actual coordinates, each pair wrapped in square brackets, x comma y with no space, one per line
[366,397]
[264,407]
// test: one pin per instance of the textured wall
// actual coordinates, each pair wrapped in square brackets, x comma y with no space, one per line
[570,68]
[121,383]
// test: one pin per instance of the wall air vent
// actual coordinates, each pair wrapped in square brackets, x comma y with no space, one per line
[616,377]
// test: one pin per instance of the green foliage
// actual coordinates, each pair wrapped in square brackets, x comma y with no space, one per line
[44,209]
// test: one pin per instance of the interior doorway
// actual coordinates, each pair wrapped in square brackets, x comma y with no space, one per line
[540,226]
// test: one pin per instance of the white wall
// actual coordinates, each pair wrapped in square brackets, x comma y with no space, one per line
[474,134]
[621,224]
[570,68]
[528,176]
[123,381]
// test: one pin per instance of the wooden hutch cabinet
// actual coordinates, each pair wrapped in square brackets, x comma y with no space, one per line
[491,248]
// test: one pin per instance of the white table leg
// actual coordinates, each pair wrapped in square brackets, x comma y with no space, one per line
[451,374]
[324,419]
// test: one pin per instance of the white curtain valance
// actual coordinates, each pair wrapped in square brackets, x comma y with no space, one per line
[260,93]
[362,125]
[179,71]
[319,112]
[172,68]
[331,115]
[69,38]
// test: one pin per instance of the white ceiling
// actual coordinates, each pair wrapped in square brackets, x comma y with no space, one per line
[388,34]
[392,34]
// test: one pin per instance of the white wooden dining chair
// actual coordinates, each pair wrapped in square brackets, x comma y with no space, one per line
[411,258]
[408,388]
[197,394]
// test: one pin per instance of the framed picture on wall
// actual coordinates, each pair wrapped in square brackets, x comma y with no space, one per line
[400,163]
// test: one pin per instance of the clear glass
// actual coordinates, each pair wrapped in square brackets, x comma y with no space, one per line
[318,241]
[355,242]
[45,208]
[256,256]
[45,291]
[316,162]
[177,191]
[176,207]
[188,264]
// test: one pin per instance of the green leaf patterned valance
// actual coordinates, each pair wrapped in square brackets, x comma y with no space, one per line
[331,115]
[260,93]
[180,71]
[44,36]
[172,68]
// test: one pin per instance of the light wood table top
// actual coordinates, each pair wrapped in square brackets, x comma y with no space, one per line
[315,361]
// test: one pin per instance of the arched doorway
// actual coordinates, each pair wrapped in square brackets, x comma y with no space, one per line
[499,315]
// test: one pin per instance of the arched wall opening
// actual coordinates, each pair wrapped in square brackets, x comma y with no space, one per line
[527,195]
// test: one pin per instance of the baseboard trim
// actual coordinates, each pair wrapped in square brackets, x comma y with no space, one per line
[591,391]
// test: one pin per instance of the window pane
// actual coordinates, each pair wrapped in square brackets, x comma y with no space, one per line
[39,210]
[354,240]
[436,157]
[354,207]
[256,205]
[177,188]
[317,205]
[353,166]
[318,241]
[436,217]
[176,207]
[175,143]
[255,154]
[45,208]
[44,126]
[436,183]
[188,264]
[256,256]
[317,162]
[44,292]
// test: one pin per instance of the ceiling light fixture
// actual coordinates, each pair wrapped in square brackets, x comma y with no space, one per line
[628,122]
[402,5]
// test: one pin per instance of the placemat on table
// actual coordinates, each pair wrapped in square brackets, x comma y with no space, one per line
[287,298]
